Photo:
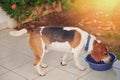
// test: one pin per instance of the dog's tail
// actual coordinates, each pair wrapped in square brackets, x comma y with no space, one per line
[18,33]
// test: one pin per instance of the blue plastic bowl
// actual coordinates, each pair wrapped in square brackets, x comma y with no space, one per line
[100,66]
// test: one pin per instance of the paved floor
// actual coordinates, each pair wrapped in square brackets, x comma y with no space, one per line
[16,63]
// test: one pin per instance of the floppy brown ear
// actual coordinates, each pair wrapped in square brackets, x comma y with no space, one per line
[96,52]
[99,51]
[95,55]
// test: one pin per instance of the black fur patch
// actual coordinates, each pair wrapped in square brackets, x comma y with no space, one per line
[58,34]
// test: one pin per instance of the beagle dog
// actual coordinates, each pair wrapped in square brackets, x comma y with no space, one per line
[78,39]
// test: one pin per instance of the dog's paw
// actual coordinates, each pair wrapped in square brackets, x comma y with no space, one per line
[82,68]
[42,73]
[43,65]
[63,63]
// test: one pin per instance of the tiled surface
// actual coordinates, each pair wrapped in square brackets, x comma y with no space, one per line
[117,64]
[74,70]
[101,75]
[11,76]
[16,62]
[57,74]
[3,70]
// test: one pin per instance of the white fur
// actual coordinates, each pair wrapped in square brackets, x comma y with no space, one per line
[21,32]
[6,21]
[39,70]
[42,73]
[91,43]
[18,33]
[41,29]
[63,59]
[43,46]
[106,59]
[75,53]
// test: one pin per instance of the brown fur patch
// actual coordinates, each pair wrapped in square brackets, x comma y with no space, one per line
[36,45]
[76,41]
[46,40]
[99,51]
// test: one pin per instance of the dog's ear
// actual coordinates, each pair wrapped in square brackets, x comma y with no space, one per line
[99,51]
[95,54]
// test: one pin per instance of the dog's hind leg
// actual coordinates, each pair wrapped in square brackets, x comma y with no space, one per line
[38,47]
[63,59]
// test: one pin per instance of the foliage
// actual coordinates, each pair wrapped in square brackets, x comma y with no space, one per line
[112,40]
[21,9]
[67,4]
[118,55]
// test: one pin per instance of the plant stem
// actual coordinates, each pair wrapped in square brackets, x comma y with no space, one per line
[38,13]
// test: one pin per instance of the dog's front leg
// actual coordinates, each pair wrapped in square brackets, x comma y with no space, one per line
[76,59]
[39,70]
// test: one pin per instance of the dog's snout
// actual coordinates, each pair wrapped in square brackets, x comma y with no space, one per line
[107,59]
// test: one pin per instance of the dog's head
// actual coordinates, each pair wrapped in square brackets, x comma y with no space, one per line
[100,52]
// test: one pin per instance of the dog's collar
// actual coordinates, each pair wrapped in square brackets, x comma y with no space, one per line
[87,43]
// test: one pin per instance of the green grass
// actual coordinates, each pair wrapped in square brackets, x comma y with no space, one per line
[116,52]
[118,55]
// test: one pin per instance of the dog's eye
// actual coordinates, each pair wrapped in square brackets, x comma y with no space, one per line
[105,53]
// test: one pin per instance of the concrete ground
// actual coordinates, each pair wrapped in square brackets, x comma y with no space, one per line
[16,62]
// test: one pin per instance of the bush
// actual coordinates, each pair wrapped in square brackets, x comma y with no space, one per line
[21,9]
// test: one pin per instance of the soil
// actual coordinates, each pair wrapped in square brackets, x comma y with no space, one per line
[104,28]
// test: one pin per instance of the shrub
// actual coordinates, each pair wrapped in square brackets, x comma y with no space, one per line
[21,9]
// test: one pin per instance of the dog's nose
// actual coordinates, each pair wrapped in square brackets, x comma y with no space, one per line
[107,59]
